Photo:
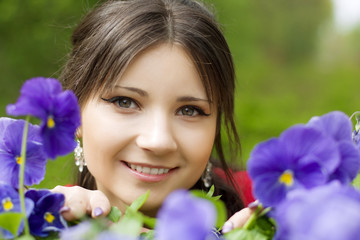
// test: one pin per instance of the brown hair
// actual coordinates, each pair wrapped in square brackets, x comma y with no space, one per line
[111,35]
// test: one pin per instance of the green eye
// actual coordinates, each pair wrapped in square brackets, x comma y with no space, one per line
[122,102]
[188,111]
[191,111]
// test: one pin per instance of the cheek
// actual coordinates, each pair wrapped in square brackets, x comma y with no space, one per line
[198,144]
[102,136]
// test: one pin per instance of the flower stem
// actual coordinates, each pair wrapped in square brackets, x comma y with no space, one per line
[21,176]
[252,219]
[355,114]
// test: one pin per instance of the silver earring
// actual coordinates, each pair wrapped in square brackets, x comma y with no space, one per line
[206,176]
[79,156]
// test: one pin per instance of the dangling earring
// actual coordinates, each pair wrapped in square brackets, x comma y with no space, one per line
[79,156]
[206,176]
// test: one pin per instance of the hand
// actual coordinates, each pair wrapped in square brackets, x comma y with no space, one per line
[237,220]
[80,201]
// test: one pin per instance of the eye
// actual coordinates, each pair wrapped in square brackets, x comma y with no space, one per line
[122,102]
[191,111]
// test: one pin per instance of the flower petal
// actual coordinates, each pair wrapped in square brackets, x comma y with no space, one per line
[336,124]
[299,141]
[329,212]
[10,152]
[306,153]
[350,163]
[46,215]
[183,216]
[35,98]
[4,123]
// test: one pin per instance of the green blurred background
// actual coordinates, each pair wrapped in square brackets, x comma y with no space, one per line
[292,60]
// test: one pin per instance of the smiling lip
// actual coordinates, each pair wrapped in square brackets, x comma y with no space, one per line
[148,173]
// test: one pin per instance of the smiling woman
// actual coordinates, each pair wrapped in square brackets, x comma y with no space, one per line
[150,129]
[155,82]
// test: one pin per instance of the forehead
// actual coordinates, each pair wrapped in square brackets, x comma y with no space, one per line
[165,66]
[158,52]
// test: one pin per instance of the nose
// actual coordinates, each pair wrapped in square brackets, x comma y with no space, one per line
[156,135]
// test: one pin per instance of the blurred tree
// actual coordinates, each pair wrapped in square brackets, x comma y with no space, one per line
[34,39]
[288,30]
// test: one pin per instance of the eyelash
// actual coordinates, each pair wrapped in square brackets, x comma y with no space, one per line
[116,100]
[195,108]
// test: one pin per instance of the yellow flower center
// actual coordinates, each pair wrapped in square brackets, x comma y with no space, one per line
[50,122]
[18,160]
[287,178]
[7,204]
[49,217]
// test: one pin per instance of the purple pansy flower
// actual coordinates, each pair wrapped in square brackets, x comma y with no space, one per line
[81,231]
[338,125]
[183,216]
[58,110]
[108,235]
[328,212]
[302,157]
[10,202]
[89,230]
[11,132]
[46,216]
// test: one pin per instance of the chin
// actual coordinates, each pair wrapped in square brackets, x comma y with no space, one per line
[150,209]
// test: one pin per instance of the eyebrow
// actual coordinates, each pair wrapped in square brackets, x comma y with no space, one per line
[179,99]
[137,90]
[192,99]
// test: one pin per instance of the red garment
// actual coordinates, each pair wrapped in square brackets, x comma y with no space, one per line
[244,184]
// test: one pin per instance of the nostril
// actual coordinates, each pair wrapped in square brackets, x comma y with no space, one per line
[157,143]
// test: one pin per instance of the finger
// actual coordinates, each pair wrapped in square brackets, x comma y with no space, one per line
[237,220]
[74,212]
[99,204]
[75,205]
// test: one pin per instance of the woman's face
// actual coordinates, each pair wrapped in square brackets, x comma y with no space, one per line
[154,131]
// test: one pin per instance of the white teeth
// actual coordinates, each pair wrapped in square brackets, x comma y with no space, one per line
[147,170]
[154,171]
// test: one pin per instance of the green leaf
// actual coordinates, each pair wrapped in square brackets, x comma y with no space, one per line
[26,237]
[132,221]
[114,214]
[264,211]
[211,191]
[243,234]
[265,226]
[149,221]
[149,235]
[202,194]
[10,221]
[221,213]
[136,205]
[130,224]
[218,204]
[260,222]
